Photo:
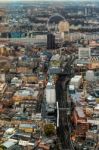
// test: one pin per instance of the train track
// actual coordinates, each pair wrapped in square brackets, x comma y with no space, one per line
[64,130]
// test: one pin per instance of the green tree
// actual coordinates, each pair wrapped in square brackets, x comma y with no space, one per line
[49,129]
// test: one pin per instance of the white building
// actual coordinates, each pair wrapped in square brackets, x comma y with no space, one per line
[84,52]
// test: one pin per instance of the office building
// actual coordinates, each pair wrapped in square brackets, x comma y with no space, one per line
[50,41]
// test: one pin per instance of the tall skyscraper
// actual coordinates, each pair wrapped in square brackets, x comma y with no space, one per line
[3,28]
[50,41]
[89,10]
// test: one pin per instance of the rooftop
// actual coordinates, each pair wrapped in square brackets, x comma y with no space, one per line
[80,112]
[28,126]
[8,144]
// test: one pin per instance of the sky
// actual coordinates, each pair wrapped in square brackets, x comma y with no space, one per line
[24,0]
[34,0]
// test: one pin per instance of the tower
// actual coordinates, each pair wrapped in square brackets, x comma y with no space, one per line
[50,41]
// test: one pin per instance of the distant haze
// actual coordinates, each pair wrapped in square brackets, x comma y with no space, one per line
[15,1]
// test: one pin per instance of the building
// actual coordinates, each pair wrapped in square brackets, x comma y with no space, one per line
[8,145]
[3,24]
[23,69]
[2,77]
[80,122]
[27,127]
[50,41]
[84,53]
[3,87]
[26,94]
[89,10]
[2,15]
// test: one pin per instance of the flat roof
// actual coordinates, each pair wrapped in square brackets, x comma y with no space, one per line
[80,112]
[8,144]
[27,126]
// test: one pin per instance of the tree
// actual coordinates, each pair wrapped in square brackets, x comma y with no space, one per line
[49,129]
